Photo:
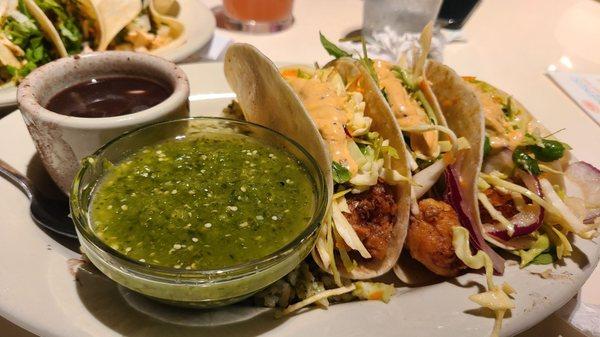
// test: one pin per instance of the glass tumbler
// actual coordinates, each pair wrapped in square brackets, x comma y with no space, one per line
[258,16]
[401,16]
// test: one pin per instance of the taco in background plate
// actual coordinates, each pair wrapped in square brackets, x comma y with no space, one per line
[431,148]
[85,25]
[71,25]
[517,200]
[143,26]
[361,151]
[23,45]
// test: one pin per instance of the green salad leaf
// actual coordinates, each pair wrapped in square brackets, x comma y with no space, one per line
[540,246]
[544,258]
[340,173]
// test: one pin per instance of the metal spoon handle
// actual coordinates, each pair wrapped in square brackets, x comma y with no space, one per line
[16,178]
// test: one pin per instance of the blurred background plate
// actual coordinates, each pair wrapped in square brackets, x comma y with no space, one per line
[199,25]
[8,96]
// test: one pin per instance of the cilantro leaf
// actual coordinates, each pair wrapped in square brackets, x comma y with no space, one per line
[550,151]
[332,49]
[487,146]
[508,110]
[525,161]
[367,62]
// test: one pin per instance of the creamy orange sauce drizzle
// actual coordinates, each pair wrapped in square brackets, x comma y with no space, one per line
[498,128]
[326,108]
[406,110]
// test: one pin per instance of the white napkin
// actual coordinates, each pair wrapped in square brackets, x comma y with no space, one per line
[584,317]
[212,51]
[390,46]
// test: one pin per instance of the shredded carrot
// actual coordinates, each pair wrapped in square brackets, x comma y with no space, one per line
[376,296]
[448,158]
[290,73]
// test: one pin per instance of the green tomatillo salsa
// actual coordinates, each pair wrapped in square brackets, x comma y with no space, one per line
[203,202]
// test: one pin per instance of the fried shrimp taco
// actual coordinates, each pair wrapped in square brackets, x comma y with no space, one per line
[361,151]
[431,148]
[518,199]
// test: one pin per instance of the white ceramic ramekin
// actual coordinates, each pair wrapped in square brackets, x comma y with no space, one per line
[62,141]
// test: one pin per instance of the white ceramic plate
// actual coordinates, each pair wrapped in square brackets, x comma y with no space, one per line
[199,27]
[39,293]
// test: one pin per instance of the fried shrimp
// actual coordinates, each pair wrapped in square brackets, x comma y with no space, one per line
[429,238]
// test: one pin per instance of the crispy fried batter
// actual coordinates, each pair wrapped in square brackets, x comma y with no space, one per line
[429,238]
[373,215]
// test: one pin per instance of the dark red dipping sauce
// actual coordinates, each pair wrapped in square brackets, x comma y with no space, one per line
[108,97]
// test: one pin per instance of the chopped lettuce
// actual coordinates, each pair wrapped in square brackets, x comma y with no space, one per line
[562,246]
[23,31]
[541,245]
[495,298]
[65,23]
[544,258]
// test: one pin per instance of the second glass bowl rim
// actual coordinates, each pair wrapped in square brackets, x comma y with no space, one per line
[250,266]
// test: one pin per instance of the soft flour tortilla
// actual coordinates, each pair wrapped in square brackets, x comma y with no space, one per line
[464,116]
[267,99]
[46,26]
[113,16]
[378,110]
[407,269]
[163,12]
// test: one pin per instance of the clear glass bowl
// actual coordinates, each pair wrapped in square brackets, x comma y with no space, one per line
[196,288]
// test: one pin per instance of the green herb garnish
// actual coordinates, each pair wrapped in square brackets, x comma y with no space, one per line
[367,62]
[487,146]
[525,161]
[407,80]
[303,74]
[550,151]
[508,110]
[332,49]
[340,173]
